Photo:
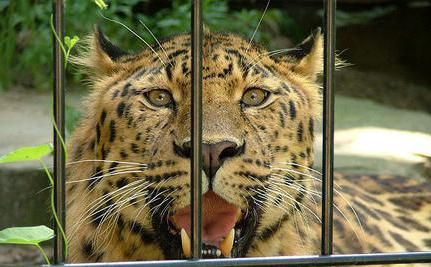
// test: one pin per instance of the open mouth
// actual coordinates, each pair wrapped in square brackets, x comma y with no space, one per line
[221,227]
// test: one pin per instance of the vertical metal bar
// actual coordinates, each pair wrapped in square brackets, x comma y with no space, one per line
[196,115]
[328,127]
[59,153]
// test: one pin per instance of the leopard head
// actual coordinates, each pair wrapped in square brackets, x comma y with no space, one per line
[133,148]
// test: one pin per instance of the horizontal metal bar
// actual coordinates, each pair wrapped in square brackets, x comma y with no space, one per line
[332,260]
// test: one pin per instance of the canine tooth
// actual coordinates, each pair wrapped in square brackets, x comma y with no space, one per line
[227,244]
[185,243]
[218,252]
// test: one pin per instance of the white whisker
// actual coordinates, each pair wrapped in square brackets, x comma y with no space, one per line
[258,24]
[160,45]
[109,161]
[300,165]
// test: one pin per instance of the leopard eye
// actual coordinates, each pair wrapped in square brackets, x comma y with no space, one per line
[254,97]
[159,98]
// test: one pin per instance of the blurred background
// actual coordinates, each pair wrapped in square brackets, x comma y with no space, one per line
[383,101]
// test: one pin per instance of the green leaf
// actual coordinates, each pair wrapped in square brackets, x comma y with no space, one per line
[27,153]
[70,43]
[26,235]
[101,4]
[67,41]
[74,40]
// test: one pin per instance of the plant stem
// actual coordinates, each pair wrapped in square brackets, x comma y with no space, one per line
[54,213]
[63,144]
[60,42]
[43,253]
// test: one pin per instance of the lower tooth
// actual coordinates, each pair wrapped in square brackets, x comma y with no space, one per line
[218,252]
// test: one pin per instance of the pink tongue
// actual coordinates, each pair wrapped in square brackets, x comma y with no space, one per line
[218,218]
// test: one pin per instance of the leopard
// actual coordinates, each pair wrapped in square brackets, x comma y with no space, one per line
[129,174]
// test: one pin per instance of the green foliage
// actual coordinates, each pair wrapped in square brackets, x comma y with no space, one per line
[217,17]
[70,43]
[33,235]
[27,153]
[20,30]
[101,4]
[26,38]
[66,45]
[26,235]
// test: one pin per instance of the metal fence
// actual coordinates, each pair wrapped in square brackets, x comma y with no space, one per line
[325,259]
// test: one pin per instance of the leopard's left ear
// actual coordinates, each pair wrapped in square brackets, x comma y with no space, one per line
[100,55]
[106,47]
[307,57]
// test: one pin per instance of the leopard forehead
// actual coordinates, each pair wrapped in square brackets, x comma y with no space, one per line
[231,65]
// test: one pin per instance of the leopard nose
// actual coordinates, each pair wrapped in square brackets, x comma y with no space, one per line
[213,154]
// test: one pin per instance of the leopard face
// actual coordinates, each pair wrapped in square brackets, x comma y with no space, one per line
[128,194]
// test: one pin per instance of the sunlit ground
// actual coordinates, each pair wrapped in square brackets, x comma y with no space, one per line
[372,142]
[379,139]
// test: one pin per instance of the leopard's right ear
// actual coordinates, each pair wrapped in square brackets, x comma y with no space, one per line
[100,55]
[308,55]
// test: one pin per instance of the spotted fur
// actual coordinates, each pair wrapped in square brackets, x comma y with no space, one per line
[126,177]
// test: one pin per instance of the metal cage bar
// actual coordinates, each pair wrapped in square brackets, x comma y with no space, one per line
[196,114]
[59,153]
[328,127]
[196,131]
[333,260]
